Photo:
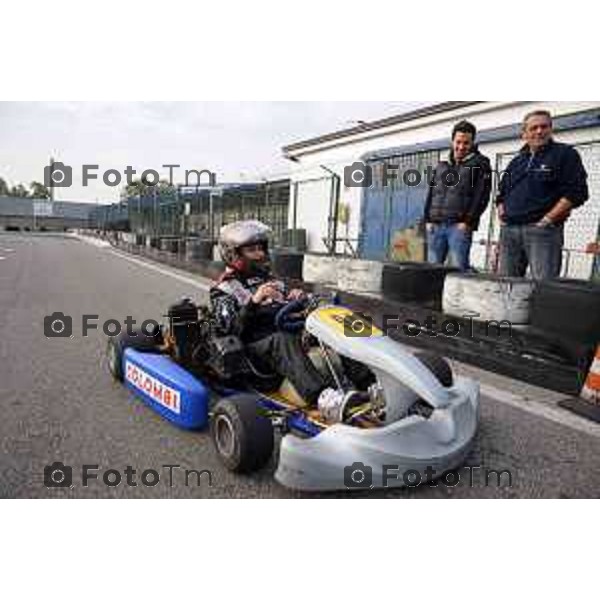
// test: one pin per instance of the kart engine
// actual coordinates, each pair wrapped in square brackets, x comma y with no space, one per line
[227,358]
[183,324]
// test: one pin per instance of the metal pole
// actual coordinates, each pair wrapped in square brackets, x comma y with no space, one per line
[210,216]
[154,228]
[51,180]
[336,207]
[295,209]
[333,208]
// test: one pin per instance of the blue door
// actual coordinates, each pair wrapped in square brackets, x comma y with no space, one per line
[374,234]
[394,211]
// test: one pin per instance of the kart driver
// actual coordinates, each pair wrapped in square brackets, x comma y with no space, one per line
[245,301]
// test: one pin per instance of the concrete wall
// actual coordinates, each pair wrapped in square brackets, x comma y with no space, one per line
[48,223]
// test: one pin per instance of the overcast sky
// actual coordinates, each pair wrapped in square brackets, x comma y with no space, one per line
[240,141]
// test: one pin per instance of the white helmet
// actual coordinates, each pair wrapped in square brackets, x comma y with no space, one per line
[236,235]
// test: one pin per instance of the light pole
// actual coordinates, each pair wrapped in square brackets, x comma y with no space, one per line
[333,218]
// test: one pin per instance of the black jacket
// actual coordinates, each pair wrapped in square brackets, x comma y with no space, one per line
[533,183]
[459,193]
[234,311]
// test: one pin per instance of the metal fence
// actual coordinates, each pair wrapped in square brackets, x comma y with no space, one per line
[197,211]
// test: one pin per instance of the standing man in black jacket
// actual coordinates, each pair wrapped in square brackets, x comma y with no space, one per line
[538,191]
[458,195]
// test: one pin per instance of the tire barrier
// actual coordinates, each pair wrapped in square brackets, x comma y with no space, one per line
[168,245]
[420,283]
[488,297]
[359,276]
[320,268]
[294,239]
[569,308]
[214,269]
[288,265]
[199,249]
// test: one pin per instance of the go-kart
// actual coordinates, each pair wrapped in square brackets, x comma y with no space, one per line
[414,419]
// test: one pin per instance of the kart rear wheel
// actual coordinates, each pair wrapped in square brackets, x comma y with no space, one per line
[114,355]
[117,344]
[439,366]
[242,435]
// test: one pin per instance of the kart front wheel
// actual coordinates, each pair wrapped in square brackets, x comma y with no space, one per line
[438,365]
[242,435]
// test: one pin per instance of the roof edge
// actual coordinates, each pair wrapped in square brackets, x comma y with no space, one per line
[426,111]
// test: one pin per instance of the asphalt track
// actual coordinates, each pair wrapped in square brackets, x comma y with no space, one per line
[59,403]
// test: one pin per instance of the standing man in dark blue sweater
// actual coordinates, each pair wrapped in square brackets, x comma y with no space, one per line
[537,193]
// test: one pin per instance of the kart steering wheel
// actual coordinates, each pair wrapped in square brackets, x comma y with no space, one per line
[287,318]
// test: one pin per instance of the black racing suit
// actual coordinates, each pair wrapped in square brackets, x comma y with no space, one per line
[280,352]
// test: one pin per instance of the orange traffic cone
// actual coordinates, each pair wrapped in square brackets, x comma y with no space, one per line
[591,387]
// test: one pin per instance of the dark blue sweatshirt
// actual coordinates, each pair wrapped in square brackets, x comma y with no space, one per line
[534,183]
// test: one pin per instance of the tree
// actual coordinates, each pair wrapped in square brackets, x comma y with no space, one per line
[4,190]
[19,191]
[39,190]
[165,189]
[138,188]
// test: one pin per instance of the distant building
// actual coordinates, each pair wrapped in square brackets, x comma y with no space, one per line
[37,214]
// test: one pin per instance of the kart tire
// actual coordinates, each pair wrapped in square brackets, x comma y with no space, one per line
[242,435]
[117,345]
[439,366]
[360,375]
[288,265]
[568,309]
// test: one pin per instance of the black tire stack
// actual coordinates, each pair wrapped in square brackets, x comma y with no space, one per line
[288,258]
[168,245]
[288,264]
[294,240]
[568,309]
[415,282]
[197,249]
[213,269]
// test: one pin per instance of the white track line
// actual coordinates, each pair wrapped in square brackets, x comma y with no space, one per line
[551,413]
[539,409]
[205,287]
[6,250]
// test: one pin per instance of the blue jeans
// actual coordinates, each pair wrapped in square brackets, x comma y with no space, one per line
[540,248]
[448,240]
